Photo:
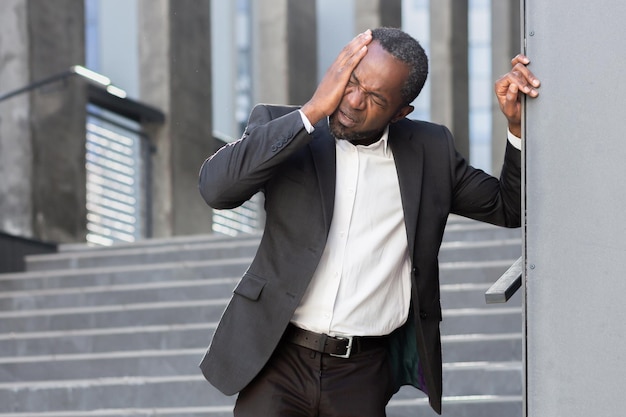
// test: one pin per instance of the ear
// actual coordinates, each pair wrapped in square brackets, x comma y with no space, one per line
[402,113]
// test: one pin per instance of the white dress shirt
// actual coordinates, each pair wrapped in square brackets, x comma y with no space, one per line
[362,285]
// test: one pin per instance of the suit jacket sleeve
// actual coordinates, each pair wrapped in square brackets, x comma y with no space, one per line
[240,169]
[482,197]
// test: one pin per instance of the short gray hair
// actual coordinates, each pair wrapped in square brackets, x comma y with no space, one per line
[408,50]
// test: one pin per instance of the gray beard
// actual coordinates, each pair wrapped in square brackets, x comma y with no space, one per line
[340,133]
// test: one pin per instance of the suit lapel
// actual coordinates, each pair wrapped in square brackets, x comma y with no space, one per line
[409,158]
[324,157]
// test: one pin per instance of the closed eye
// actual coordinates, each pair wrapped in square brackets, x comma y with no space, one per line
[378,99]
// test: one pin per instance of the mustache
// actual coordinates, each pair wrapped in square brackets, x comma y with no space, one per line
[350,115]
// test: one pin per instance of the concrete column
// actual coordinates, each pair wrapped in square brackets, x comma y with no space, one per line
[42,142]
[449,75]
[285,51]
[175,75]
[16,163]
[370,14]
[505,44]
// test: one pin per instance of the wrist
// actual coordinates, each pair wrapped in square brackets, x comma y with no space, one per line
[516,141]
[314,115]
[516,129]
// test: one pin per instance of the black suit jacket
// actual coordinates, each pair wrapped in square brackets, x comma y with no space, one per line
[296,172]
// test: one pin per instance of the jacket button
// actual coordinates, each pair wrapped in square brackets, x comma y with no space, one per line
[423,315]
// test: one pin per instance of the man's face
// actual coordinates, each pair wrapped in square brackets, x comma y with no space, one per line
[372,99]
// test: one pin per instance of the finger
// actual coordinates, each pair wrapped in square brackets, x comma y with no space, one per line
[520,59]
[520,63]
[512,94]
[367,34]
[525,81]
[511,105]
[357,43]
[353,52]
[527,74]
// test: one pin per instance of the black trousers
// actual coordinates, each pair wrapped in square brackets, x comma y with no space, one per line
[299,382]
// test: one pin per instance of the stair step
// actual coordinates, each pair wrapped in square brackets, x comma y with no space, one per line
[481,320]
[484,250]
[482,378]
[156,242]
[191,390]
[459,406]
[462,406]
[450,273]
[85,366]
[464,320]
[143,314]
[96,277]
[456,348]
[470,295]
[501,347]
[478,231]
[150,363]
[121,393]
[176,290]
[107,339]
[452,295]
[473,271]
[451,251]
[220,249]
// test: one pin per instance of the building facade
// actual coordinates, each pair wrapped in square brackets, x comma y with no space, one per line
[95,174]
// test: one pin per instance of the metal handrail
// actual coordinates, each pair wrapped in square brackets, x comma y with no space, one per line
[507,285]
[79,70]
[101,92]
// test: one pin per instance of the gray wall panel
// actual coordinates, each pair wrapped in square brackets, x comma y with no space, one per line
[576,228]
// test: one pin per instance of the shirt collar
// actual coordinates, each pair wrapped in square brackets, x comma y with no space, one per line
[381,145]
[385,141]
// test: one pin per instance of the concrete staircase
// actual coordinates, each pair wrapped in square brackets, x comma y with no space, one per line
[119,331]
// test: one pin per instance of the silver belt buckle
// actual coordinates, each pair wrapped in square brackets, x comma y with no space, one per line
[348,348]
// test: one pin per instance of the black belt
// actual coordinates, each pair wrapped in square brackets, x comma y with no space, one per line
[340,346]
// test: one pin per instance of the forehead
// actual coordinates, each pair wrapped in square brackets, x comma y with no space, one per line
[380,71]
